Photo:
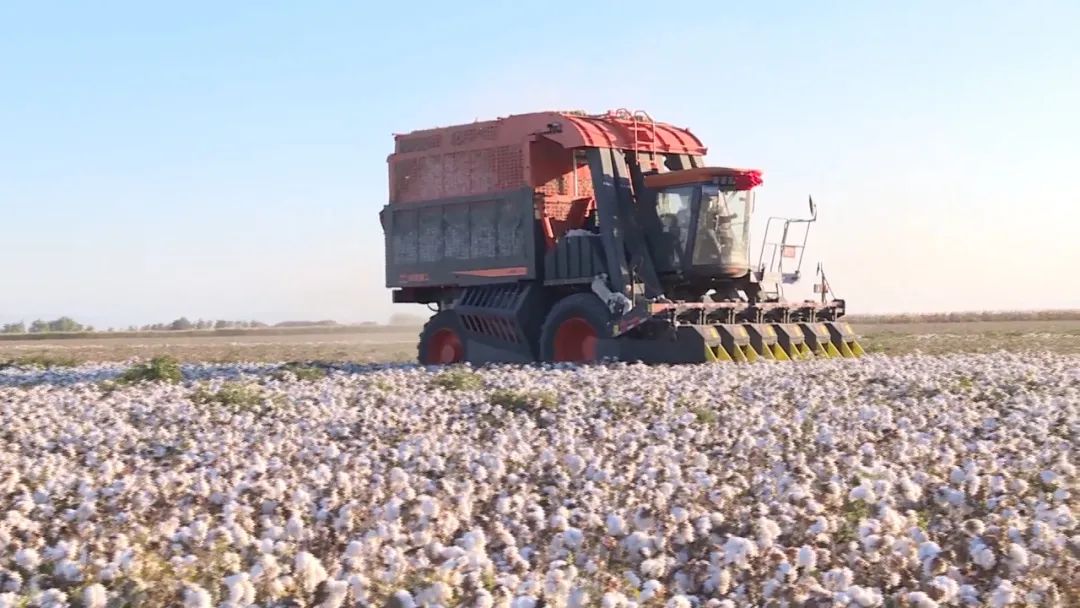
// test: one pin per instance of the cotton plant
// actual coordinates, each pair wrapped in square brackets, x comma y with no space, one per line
[912,481]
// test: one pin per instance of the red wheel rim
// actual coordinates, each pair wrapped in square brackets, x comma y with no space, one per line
[445,347]
[575,340]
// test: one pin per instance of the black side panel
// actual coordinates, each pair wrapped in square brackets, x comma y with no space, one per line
[635,237]
[659,246]
[464,241]
[574,259]
[502,319]
[606,191]
[685,344]
[618,222]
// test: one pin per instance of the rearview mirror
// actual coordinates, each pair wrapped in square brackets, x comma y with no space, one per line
[813,208]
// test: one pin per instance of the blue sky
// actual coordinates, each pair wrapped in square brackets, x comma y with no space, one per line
[228,160]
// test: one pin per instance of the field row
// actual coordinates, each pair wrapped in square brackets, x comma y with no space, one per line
[914,480]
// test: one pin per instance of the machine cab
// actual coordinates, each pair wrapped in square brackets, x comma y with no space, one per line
[704,219]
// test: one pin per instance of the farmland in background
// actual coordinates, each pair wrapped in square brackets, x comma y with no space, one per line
[1053,331]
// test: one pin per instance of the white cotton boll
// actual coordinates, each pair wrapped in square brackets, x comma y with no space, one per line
[632,578]
[524,601]
[910,490]
[438,594]
[679,601]
[891,520]
[196,597]
[703,525]
[27,558]
[428,507]
[579,598]
[573,537]
[309,570]
[918,599]
[402,599]
[997,484]
[335,591]
[558,522]
[947,588]
[928,550]
[769,588]
[1048,477]
[838,579]
[354,549]
[358,585]
[968,594]
[484,599]
[9,600]
[68,571]
[294,528]
[613,599]
[637,543]
[739,550]
[718,581]
[574,463]
[653,567]
[95,596]
[1018,556]
[616,526]
[957,476]
[955,498]
[820,526]
[864,493]
[768,531]
[680,515]
[1003,595]
[59,551]
[806,558]
[865,597]
[651,589]
[52,598]
[982,555]
[241,590]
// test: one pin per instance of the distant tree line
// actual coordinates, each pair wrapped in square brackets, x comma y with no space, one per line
[40,326]
[184,324]
[69,325]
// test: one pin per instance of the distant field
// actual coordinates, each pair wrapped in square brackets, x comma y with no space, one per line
[392,344]
[357,344]
[971,337]
[314,330]
[968,317]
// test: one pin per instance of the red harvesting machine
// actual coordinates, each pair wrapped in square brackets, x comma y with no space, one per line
[563,236]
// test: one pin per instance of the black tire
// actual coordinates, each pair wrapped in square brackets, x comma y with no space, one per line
[432,347]
[587,312]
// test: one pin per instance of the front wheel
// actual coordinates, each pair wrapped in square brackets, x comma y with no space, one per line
[442,341]
[573,328]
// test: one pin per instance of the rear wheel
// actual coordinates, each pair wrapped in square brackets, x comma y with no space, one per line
[573,329]
[442,341]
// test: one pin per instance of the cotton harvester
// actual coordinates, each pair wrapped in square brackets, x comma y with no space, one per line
[562,236]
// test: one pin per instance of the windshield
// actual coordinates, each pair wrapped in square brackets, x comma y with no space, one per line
[673,207]
[722,229]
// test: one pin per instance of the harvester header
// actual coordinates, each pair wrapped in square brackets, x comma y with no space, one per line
[562,236]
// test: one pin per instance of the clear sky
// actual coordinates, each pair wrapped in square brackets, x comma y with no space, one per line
[228,159]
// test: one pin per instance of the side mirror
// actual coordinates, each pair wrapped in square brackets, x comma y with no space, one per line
[813,208]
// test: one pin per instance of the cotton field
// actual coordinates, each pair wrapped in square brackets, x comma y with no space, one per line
[909,481]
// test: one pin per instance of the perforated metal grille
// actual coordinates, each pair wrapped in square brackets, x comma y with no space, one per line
[464,173]
[501,328]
